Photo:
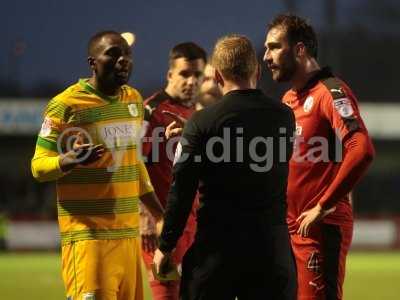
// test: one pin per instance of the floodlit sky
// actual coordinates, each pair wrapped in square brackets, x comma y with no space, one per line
[54,33]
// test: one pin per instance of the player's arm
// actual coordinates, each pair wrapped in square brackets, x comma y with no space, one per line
[341,110]
[45,163]
[358,152]
[49,162]
[152,206]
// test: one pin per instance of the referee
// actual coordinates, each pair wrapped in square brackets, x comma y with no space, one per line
[236,154]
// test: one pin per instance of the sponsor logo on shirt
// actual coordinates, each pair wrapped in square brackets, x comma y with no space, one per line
[119,134]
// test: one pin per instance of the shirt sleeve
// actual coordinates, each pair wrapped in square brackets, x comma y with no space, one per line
[341,110]
[358,155]
[45,162]
[186,172]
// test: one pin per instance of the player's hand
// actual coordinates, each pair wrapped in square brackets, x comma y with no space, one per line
[149,242]
[159,226]
[87,153]
[162,262]
[173,129]
[311,217]
[81,153]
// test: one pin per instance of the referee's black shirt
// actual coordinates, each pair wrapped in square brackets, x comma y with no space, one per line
[236,152]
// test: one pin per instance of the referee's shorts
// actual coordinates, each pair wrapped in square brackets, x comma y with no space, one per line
[245,265]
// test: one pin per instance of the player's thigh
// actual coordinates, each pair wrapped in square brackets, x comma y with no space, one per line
[336,242]
[131,284]
[91,266]
[309,264]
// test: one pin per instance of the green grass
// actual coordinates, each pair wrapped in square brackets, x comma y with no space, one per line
[34,276]
[370,276]
[373,276]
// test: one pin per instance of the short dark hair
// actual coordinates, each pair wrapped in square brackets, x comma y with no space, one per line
[94,40]
[297,30]
[188,50]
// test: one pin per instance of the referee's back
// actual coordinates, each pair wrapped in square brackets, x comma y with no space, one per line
[236,153]
[245,143]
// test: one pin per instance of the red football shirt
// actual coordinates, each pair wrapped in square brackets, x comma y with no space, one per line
[158,151]
[326,114]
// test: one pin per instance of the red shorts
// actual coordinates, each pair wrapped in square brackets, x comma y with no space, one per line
[321,260]
[168,290]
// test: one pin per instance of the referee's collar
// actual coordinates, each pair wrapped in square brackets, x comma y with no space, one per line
[243,92]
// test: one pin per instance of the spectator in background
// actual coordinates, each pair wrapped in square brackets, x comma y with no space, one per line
[209,90]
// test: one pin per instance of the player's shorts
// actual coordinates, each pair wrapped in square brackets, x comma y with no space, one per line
[168,290]
[321,261]
[103,269]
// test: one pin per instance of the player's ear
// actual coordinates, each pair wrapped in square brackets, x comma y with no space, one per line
[300,49]
[258,72]
[92,62]
[169,75]
[218,78]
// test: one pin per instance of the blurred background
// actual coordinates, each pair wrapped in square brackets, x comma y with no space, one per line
[43,50]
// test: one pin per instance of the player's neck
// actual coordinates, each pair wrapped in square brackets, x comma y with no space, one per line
[238,85]
[304,74]
[103,88]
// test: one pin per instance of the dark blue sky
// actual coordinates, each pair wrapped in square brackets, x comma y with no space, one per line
[56,32]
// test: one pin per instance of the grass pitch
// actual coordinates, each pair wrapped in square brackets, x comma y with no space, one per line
[37,276]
